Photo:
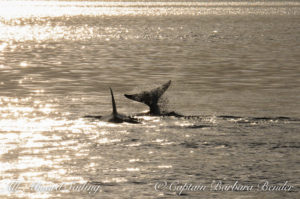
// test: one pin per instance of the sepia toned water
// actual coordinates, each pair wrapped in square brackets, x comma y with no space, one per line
[233,64]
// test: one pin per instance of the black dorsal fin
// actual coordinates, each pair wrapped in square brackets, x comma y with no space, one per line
[113,102]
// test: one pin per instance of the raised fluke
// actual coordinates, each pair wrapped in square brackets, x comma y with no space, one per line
[151,98]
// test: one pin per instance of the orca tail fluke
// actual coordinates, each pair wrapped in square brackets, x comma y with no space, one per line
[113,102]
[151,98]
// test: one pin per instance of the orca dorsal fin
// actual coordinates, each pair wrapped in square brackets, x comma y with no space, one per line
[113,102]
[151,98]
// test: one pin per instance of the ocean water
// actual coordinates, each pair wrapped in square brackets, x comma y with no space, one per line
[233,64]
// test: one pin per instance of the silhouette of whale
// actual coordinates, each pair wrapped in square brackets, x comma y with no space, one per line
[115,117]
[151,99]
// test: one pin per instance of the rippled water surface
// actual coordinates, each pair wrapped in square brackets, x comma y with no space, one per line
[233,64]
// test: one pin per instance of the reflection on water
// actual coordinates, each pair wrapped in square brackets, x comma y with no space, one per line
[30,9]
[234,64]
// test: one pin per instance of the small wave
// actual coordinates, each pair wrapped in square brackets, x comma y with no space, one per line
[287,145]
[240,119]
[190,144]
